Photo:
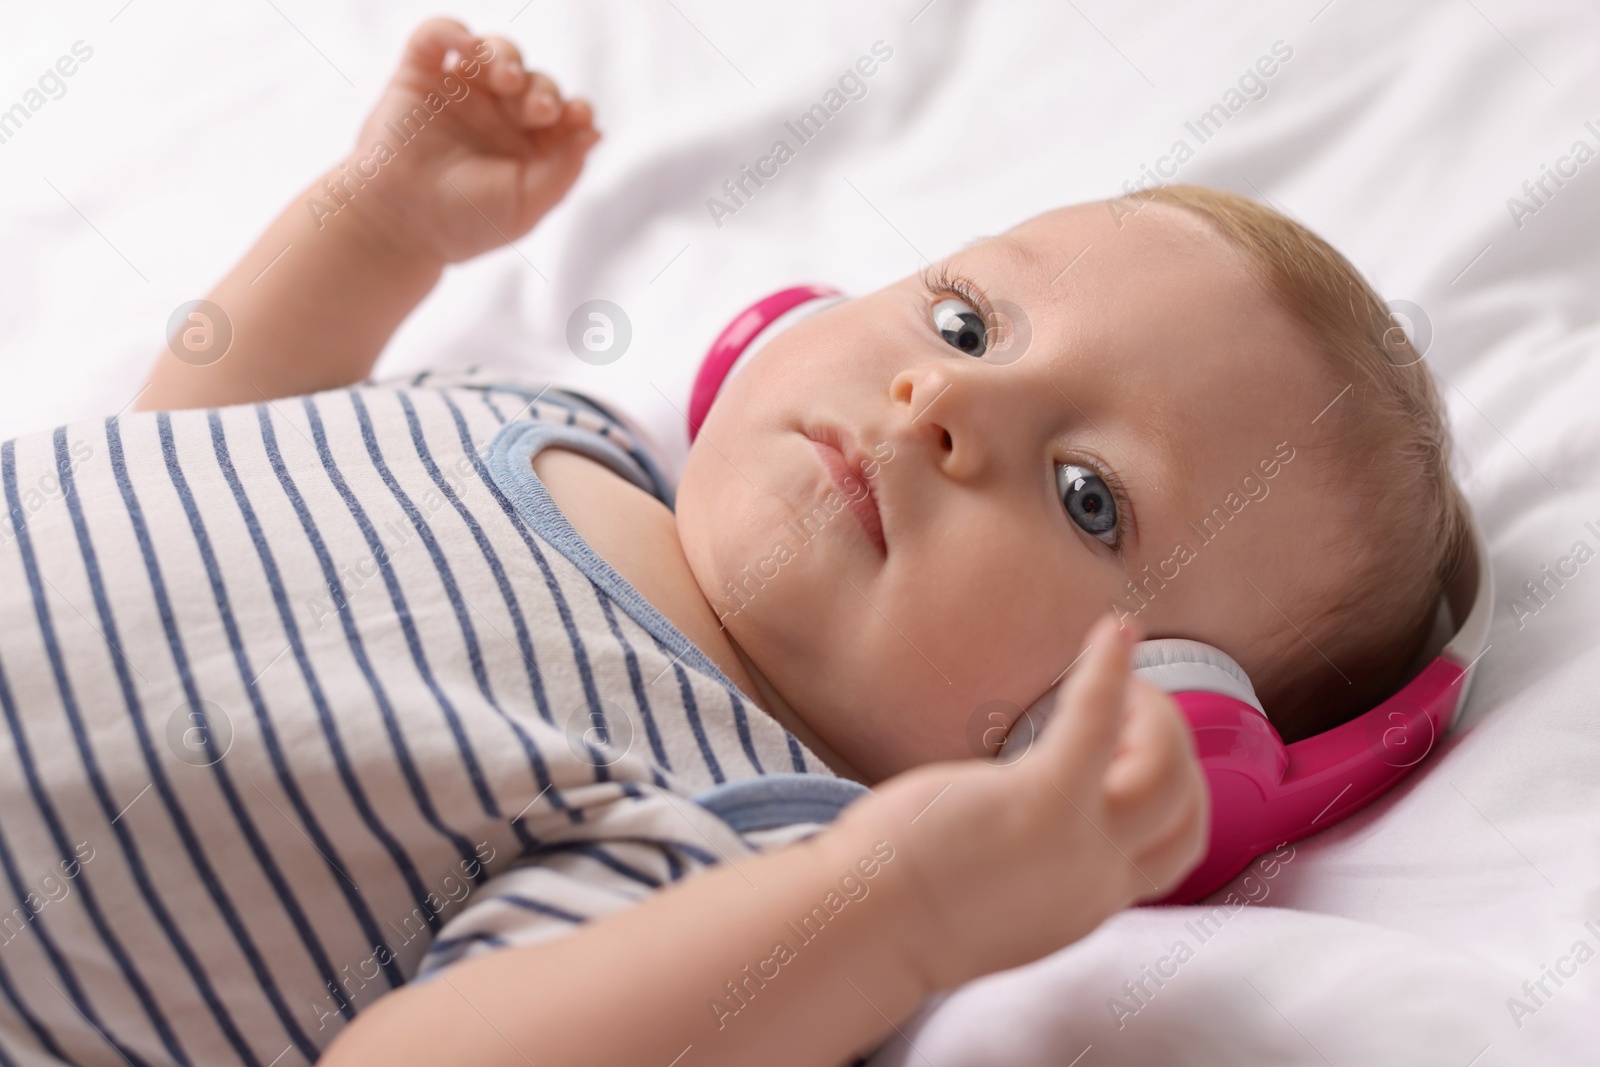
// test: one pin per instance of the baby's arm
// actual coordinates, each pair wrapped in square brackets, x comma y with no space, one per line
[987,867]
[448,165]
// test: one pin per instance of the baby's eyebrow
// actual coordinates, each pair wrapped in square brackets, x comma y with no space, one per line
[1018,251]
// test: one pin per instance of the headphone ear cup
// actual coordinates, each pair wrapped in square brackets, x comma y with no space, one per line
[744,336]
[1178,665]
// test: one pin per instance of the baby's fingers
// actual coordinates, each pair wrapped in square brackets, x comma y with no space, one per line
[1154,780]
[506,76]
[1081,734]
[527,98]
[541,103]
[431,42]
[1167,859]
[1153,744]
[578,116]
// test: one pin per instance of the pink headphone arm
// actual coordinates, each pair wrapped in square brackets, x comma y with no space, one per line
[1265,794]
[735,340]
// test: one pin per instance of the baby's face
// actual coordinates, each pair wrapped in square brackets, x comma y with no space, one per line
[1019,486]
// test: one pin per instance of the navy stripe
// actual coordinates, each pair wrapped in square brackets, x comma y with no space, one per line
[569,402]
[631,658]
[269,734]
[448,950]
[797,756]
[391,581]
[529,398]
[662,845]
[595,759]
[593,850]
[580,652]
[163,786]
[535,678]
[158,1019]
[529,904]
[291,629]
[694,852]
[335,589]
[691,713]
[741,723]
[449,944]
[675,868]
[40,1034]
[579,402]
[488,399]
[46,942]
[524,643]
[408,767]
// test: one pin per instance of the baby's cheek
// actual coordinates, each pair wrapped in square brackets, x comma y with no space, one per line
[993,638]
[1031,619]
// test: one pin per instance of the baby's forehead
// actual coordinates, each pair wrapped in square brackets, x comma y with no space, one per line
[1154,328]
[1084,241]
[1159,298]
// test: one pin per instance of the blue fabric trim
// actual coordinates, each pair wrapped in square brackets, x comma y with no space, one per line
[509,459]
[574,404]
[774,800]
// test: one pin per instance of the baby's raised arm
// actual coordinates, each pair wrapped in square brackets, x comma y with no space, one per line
[977,867]
[451,162]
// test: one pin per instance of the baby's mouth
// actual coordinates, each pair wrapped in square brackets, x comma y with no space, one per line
[843,462]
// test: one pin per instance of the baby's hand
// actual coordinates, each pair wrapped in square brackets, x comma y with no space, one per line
[461,160]
[1006,863]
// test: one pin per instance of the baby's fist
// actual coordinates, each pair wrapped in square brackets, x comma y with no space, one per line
[466,149]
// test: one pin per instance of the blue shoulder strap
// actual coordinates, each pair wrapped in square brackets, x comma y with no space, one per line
[774,800]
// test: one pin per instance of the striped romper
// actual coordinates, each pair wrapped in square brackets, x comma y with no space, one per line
[309,698]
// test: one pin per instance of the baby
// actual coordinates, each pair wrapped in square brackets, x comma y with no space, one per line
[381,712]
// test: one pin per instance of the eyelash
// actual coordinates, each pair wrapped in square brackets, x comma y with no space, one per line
[940,280]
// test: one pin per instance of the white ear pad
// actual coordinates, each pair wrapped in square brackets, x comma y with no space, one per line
[1176,665]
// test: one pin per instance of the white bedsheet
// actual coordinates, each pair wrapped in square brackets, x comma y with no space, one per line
[1397,937]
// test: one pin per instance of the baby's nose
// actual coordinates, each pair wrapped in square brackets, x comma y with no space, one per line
[938,413]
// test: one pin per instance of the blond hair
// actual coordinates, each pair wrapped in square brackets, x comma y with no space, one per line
[1389,443]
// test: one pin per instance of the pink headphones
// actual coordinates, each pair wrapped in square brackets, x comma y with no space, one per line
[1264,793]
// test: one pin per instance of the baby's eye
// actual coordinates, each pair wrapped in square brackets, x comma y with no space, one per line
[961,326]
[1088,500]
